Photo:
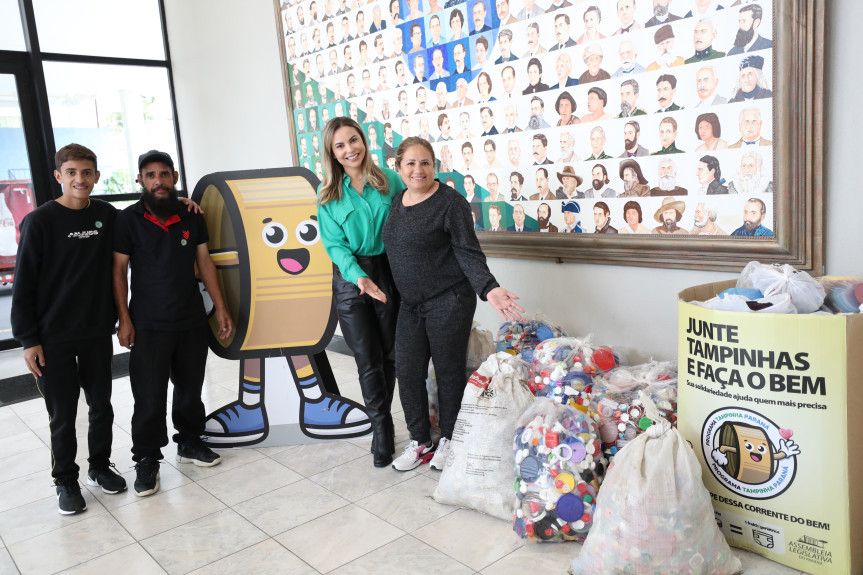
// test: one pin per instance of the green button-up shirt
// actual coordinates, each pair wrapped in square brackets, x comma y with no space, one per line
[352,226]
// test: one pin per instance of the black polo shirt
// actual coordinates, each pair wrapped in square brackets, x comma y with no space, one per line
[165,293]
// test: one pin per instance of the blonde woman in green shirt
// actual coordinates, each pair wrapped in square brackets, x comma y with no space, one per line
[353,204]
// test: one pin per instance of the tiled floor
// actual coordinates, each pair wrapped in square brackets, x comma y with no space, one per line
[320,508]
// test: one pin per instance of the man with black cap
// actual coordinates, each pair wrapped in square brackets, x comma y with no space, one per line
[165,325]
[751,82]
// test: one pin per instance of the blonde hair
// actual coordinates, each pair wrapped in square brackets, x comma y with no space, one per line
[331,187]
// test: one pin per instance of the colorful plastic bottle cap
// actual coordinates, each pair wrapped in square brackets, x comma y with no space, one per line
[563,452]
[621,427]
[644,423]
[579,525]
[603,358]
[570,508]
[624,417]
[578,452]
[564,482]
[531,468]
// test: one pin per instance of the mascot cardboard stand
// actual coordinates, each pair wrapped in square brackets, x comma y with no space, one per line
[277,282]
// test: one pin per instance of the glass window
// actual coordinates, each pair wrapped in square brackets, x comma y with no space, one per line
[119,112]
[118,28]
[16,191]
[11,30]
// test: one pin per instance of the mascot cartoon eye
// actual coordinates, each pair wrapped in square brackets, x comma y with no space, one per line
[307,232]
[748,446]
[274,234]
[762,449]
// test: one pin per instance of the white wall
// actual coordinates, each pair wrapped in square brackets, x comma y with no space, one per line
[230,100]
[228,85]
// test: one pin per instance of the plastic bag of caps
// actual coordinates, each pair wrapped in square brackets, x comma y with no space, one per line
[478,470]
[563,369]
[619,412]
[558,470]
[655,515]
[480,345]
[806,294]
[522,337]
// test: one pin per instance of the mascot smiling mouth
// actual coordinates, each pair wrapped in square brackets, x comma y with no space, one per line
[293,261]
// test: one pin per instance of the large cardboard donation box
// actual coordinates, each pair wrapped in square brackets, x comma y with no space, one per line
[773,406]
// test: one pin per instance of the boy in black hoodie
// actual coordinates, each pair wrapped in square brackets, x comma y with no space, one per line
[63,314]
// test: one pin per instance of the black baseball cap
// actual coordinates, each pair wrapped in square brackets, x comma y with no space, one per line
[154,156]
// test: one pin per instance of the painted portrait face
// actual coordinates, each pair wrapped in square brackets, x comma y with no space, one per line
[487,119]
[508,79]
[458,54]
[491,182]
[626,12]
[591,22]
[667,134]
[748,79]
[502,10]
[478,15]
[752,216]
[593,62]
[564,108]
[541,181]
[467,155]
[594,102]
[494,216]
[599,218]
[700,215]
[513,152]
[437,61]
[518,215]
[505,46]
[597,141]
[666,169]
[566,141]
[664,94]
[704,173]
[628,95]
[703,35]
[481,53]
[538,150]
[750,125]
[705,83]
[561,30]
[434,28]
[482,85]
[749,167]
[533,74]
[631,217]
[536,107]
[705,130]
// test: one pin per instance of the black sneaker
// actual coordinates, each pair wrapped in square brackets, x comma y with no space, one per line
[199,454]
[69,498]
[107,478]
[147,479]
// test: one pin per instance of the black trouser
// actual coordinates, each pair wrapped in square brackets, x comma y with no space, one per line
[69,367]
[369,329]
[155,357]
[438,328]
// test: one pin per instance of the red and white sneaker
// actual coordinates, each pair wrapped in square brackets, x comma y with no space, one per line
[413,456]
[441,454]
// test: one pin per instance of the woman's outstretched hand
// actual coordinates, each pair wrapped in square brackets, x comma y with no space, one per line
[367,286]
[504,302]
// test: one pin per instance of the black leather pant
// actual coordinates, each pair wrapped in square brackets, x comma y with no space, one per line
[369,329]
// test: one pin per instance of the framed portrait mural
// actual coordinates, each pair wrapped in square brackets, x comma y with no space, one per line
[673,133]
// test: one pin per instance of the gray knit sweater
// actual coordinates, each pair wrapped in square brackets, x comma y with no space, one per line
[432,247]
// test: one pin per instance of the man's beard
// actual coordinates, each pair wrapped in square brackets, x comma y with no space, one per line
[533,123]
[744,37]
[751,184]
[667,183]
[543,222]
[751,226]
[669,224]
[702,223]
[665,59]
[627,65]
[625,109]
[628,185]
[660,11]
[597,185]
[514,194]
[162,208]
[630,144]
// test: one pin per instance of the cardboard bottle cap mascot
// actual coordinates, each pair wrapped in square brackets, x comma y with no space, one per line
[276,278]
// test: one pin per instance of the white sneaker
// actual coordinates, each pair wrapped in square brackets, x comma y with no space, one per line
[413,456]
[441,454]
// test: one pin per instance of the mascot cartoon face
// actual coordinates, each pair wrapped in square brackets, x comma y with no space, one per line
[273,269]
